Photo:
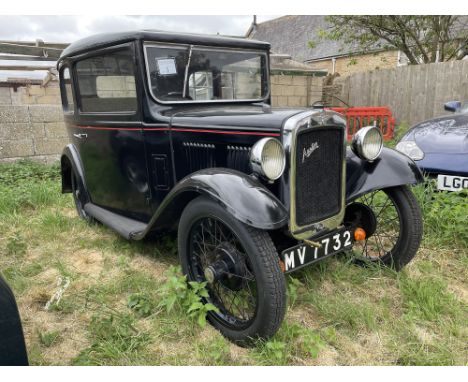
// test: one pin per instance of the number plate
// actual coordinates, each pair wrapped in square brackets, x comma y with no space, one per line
[301,255]
[452,183]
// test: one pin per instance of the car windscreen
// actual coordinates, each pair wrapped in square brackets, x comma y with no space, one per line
[199,74]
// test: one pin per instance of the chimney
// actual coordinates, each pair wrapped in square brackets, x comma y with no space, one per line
[252,28]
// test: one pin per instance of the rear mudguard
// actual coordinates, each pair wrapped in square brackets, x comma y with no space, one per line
[70,160]
[241,195]
[390,169]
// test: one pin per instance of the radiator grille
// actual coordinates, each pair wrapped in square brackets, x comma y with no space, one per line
[319,165]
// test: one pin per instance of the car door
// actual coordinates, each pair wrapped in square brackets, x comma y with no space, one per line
[109,132]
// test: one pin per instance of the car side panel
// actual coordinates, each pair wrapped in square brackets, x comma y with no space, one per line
[240,194]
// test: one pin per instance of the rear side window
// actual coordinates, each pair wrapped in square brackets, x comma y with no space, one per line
[107,83]
[67,95]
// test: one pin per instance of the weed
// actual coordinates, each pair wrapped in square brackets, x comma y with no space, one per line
[214,352]
[49,338]
[293,341]
[274,352]
[188,298]
[293,286]
[141,303]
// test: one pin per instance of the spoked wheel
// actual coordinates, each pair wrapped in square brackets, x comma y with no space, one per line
[241,267]
[392,220]
[78,197]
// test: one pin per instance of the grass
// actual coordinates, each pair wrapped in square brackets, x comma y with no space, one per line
[126,302]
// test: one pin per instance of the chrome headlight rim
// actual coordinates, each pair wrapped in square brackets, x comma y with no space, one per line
[411,149]
[257,158]
[359,141]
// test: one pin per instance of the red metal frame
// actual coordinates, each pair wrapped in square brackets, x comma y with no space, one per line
[358,117]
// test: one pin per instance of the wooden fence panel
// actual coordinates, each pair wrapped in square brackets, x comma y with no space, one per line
[414,93]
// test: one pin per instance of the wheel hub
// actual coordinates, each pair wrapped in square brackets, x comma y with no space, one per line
[360,215]
[227,268]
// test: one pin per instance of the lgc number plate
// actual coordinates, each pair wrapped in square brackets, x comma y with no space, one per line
[303,254]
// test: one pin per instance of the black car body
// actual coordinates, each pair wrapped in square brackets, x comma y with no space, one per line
[12,344]
[159,122]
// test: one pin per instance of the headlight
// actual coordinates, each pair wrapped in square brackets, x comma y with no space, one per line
[267,158]
[367,143]
[411,149]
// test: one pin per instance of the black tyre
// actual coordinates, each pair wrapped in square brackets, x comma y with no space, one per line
[396,228]
[79,198]
[241,266]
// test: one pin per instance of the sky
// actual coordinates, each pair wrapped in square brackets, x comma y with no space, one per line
[70,28]
[66,29]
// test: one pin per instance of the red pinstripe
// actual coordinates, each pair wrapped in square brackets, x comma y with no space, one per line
[257,133]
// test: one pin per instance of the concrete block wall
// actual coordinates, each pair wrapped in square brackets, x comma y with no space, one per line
[295,90]
[31,123]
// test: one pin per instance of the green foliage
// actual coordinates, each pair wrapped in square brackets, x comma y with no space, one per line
[412,350]
[423,39]
[25,171]
[293,286]
[342,311]
[311,44]
[140,303]
[16,245]
[292,341]
[352,61]
[214,352]
[398,133]
[49,338]
[275,352]
[427,298]
[115,339]
[26,184]
[175,293]
[444,215]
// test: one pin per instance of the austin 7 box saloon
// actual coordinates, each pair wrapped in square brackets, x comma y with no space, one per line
[173,131]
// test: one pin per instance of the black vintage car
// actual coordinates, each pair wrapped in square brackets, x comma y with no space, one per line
[175,131]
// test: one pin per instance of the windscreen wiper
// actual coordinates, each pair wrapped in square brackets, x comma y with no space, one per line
[184,91]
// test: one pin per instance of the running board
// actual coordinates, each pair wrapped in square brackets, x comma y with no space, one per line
[126,227]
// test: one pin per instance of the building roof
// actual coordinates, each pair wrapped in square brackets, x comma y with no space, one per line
[291,35]
[283,64]
[109,39]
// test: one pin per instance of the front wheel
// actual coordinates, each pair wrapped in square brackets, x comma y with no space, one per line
[392,219]
[241,267]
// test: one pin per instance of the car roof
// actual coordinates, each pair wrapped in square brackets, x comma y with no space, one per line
[108,39]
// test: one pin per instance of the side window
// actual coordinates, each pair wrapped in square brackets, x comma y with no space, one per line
[67,95]
[107,83]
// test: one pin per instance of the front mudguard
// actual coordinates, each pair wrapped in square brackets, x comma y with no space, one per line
[240,194]
[389,170]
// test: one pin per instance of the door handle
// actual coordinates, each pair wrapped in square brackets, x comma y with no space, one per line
[81,136]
